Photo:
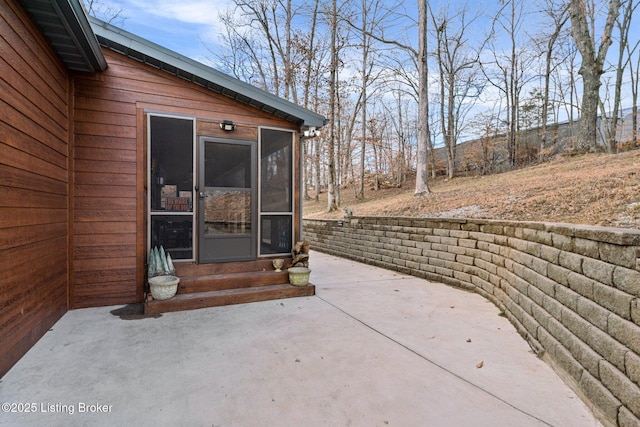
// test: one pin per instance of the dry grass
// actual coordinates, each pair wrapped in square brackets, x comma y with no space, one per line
[592,189]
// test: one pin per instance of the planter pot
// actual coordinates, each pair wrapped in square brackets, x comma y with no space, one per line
[163,287]
[299,276]
[277,264]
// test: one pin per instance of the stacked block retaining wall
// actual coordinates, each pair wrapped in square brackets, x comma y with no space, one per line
[573,292]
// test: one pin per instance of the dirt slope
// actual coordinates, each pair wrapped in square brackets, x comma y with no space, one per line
[593,189]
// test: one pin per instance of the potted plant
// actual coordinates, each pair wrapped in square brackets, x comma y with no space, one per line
[163,282]
[299,271]
[299,276]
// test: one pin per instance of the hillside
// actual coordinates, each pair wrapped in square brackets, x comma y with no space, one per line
[593,189]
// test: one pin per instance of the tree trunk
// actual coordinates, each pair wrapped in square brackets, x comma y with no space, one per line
[591,70]
[624,26]
[559,21]
[588,125]
[422,184]
[365,61]
[331,155]
[308,171]
[635,77]
[316,161]
[451,128]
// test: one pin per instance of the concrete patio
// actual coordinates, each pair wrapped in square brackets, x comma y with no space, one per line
[372,348]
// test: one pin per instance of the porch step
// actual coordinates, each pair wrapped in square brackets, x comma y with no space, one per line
[219,282]
[188,269]
[194,300]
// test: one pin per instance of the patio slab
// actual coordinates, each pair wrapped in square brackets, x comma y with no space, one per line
[372,348]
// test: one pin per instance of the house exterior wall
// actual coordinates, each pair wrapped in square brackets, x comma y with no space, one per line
[109,163]
[34,154]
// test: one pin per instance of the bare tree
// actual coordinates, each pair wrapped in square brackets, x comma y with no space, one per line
[401,132]
[457,77]
[366,45]
[241,58]
[366,73]
[566,86]
[592,67]
[420,60]
[332,204]
[309,46]
[105,11]
[373,15]
[634,75]
[508,69]
[261,39]
[610,121]
[422,183]
[558,13]
[485,154]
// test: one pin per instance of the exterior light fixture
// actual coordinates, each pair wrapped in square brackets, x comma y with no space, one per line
[311,132]
[227,126]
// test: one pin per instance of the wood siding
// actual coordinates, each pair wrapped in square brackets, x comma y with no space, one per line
[34,137]
[109,180]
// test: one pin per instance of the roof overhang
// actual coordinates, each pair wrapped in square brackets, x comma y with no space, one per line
[77,38]
[152,54]
[65,24]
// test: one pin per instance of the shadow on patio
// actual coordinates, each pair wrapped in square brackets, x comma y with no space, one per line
[373,347]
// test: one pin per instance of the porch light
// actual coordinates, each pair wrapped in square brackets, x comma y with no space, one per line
[227,126]
[311,132]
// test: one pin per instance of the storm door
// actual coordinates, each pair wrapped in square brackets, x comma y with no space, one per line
[227,208]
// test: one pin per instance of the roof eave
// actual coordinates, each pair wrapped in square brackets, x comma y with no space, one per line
[66,25]
[174,63]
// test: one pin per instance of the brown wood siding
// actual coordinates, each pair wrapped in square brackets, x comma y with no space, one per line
[34,137]
[109,200]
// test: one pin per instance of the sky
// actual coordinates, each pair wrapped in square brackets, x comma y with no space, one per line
[189,27]
[181,26]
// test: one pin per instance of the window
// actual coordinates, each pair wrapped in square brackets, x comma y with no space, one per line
[227,188]
[276,191]
[170,184]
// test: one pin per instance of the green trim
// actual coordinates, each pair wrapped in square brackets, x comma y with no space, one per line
[66,25]
[179,65]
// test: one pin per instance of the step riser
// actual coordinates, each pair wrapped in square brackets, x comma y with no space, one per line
[189,269]
[227,298]
[217,283]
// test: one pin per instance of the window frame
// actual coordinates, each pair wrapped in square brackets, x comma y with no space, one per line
[291,212]
[150,213]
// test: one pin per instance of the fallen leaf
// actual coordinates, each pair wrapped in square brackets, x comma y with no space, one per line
[468,339]
[480,365]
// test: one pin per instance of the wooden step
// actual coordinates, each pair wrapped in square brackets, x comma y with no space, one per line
[218,282]
[194,300]
[189,269]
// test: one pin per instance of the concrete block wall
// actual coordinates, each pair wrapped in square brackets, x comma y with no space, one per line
[573,292]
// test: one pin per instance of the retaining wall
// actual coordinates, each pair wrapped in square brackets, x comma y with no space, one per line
[573,292]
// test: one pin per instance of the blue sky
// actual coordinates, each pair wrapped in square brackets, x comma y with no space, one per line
[181,26]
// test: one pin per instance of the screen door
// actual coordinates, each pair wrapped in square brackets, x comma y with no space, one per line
[227,201]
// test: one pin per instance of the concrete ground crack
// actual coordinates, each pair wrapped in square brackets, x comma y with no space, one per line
[425,358]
